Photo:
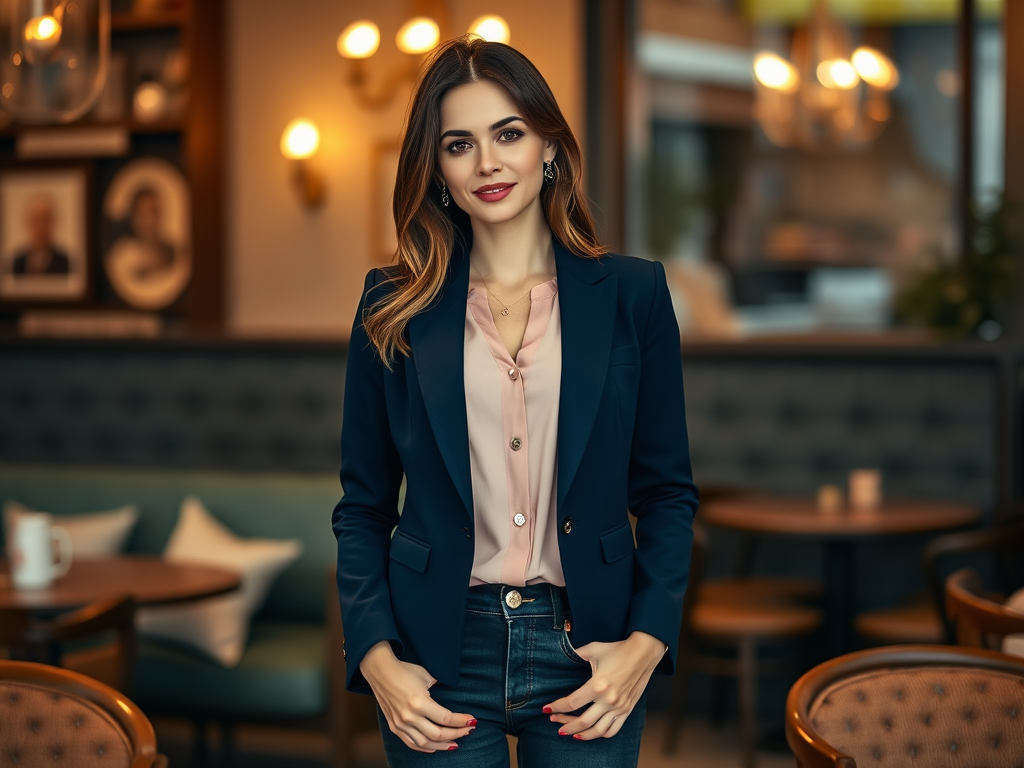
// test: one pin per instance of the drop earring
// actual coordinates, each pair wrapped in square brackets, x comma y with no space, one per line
[445,197]
[549,173]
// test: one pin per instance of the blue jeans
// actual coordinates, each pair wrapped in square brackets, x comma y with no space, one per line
[515,661]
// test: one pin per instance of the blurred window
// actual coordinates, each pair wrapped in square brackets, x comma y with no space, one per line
[868,187]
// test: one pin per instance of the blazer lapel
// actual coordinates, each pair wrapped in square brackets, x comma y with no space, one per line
[587,295]
[437,337]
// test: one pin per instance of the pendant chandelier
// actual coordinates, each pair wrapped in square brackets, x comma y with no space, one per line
[53,58]
[824,96]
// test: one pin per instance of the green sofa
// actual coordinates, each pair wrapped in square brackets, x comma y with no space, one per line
[286,672]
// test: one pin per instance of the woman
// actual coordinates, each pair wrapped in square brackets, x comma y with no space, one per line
[529,388]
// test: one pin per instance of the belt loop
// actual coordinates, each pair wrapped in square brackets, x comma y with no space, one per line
[556,607]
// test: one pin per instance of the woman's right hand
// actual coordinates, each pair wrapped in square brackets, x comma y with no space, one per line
[402,690]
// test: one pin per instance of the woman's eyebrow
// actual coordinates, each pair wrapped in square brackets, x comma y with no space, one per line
[493,127]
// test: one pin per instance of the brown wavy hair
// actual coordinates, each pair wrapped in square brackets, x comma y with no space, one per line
[426,229]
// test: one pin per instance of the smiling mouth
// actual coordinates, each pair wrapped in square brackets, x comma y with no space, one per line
[491,193]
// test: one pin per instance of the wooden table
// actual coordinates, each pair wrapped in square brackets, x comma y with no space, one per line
[151,580]
[799,517]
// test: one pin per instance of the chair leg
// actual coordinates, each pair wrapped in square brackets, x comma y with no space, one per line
[201,747]
[716,705]
[228,743]
[748,700]
[680,689]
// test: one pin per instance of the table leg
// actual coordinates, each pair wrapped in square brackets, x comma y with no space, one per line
[840,599]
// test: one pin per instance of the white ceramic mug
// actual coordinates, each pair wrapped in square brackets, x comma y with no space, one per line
[32,565]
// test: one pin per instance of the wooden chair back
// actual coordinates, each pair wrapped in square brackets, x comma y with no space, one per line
[41,639]
[92,724]
[978,621]
[920,705]
[1004,543]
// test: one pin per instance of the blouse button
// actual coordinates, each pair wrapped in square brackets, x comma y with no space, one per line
[513,374]
[519,519]
[515,443]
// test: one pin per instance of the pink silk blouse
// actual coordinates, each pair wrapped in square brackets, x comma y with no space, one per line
[512,411]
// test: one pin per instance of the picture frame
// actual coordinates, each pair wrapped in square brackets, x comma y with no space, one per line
[146,239]
[45,233]
[385,170]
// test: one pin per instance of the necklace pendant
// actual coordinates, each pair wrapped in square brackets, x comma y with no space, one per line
[504,312]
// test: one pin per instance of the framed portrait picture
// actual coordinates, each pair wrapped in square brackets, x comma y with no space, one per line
[147,233]
[44,233]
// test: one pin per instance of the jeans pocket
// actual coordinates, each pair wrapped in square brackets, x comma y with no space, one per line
[569,651]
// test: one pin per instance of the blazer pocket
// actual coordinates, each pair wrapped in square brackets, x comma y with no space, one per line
[617,543]
[410,551]
[628,355]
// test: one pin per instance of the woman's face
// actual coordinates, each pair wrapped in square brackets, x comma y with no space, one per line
[492,162]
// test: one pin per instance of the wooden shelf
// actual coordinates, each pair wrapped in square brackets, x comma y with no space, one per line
[132,126]
[131,22]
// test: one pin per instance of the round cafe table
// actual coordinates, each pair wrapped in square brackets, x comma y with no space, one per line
[151,580]
[838,531]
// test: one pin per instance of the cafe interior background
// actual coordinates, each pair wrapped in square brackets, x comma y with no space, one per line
[832,186]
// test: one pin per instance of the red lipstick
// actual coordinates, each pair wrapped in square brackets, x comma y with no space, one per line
[492,193]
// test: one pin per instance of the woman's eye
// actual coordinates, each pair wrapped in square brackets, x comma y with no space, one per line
[458,146]
[510,135]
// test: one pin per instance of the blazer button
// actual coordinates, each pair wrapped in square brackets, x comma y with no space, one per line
[567,525]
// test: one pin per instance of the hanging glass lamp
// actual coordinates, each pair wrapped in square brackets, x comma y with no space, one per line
[53,58]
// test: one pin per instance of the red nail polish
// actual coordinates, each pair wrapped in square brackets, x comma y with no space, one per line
[453,746]
[471,722]
[546,710]
[577,736]
[562,733]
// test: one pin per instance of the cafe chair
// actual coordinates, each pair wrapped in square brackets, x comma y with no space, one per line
[917,705]
[41,640]
[739,620]
[923,620]
[978,621]
[54,717]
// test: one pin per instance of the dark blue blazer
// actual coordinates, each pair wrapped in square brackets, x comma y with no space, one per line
[621,446]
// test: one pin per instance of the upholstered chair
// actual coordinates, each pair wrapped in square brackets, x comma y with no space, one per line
[54,717]
[922,706]
[978,621]
[741,615]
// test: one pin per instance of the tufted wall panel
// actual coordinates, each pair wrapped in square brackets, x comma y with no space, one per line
[783,424]
[219,407]
[791,425]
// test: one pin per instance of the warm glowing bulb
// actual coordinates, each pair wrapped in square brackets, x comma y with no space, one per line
[775,72]
[492,28]
[42,34]
[418,35]
[875,68]
[359,40]
[41,28]
[837,73]
[301,139]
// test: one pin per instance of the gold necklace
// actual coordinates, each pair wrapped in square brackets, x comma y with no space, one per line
[505,308]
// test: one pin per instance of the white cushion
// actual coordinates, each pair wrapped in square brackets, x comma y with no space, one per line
[96,534]
[218,626]
[1014,644]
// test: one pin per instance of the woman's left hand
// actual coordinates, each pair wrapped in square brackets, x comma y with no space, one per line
[621,671]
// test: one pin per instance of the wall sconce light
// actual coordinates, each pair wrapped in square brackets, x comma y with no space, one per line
[418,36]
[299,142]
